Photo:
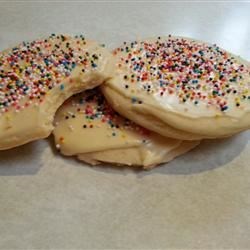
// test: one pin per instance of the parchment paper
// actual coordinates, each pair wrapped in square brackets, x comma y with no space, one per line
[200,200]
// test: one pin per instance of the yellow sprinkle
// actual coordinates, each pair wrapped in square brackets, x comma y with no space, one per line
[8,117]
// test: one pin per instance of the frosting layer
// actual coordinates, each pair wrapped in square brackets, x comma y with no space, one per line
[37,77]
[183,75]
[87,126]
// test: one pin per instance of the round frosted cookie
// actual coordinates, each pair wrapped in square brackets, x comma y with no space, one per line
[37,77]
[86,126]
[181,88]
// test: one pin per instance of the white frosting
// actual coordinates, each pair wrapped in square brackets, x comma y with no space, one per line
[212,103]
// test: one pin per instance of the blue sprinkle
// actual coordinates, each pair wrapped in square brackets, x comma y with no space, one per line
[224,108]
[61,87]
[163,83]
[65,63]
[73,65]
[19,84]
[201,52]
[133,99]
[46,61]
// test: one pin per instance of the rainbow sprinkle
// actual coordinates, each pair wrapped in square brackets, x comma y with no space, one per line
[30,70]
[193,71]
[92,106]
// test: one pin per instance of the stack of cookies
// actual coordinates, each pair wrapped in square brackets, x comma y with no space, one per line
[142,104]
